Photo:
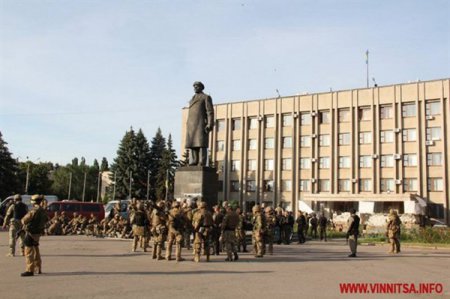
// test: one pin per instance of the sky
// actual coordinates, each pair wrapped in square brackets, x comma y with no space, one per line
[76,75]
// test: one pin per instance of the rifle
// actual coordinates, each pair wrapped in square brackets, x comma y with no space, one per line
[19,233]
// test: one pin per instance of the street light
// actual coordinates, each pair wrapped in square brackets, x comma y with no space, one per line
[28,174]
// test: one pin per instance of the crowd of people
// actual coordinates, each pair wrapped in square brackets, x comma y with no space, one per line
[173,223]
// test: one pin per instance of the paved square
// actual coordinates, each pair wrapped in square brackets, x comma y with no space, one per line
[87,267]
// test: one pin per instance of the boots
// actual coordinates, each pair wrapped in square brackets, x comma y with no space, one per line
[197,258]
[169,252]
[158,252]
[178,253]
[154,252]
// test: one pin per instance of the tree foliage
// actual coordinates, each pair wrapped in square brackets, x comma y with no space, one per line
[9,169]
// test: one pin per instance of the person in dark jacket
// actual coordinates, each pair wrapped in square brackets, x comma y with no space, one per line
[16,211]
[301,223]
[323,227]
[353,232]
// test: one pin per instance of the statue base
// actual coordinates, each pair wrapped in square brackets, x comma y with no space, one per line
[194,181]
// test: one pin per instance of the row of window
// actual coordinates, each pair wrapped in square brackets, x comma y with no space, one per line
[432,134]
[386,161]
[364,114]
[344,185]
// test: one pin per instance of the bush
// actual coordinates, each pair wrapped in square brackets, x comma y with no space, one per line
[426,235]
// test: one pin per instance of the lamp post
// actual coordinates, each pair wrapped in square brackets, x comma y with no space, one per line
[27,180]
[84,186]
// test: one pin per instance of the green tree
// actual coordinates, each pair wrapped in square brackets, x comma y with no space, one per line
[39,179]
[104,166]
[157,173]
[9,169]
[132,162]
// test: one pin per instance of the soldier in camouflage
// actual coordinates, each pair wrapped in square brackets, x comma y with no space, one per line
[202,223]
[16,211]
[229,224]
[259,227]
[159,230]
[176,223]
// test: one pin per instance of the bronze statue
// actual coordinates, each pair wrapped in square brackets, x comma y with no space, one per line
[200,122]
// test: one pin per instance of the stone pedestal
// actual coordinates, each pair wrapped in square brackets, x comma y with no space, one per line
[194,181]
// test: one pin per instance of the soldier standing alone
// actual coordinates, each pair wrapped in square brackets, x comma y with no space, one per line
[353,232]
[393,231]
[14,215]
[34,224]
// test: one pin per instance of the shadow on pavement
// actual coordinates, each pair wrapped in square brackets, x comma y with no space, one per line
[84,273]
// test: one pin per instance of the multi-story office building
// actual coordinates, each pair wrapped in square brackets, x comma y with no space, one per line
[372,148]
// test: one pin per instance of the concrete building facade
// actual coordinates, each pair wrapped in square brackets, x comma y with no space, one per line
[372,149]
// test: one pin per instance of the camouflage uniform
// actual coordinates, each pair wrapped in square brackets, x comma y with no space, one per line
[217,229]
[240,232]
[270,232]
[229,225]
[16,211]
[187,210]
[393,231]
[139,222]
[202,223]
[55,225]
[159,230]
[176,224]
[34,224]
[259,227]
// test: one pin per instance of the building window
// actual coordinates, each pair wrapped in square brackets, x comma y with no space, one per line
[365,137]
[269,143]
[252,123]
[410,184]
[251,165]
[236,124]
[344,115]
[387,185]
[305,141]
[268,164]
[409,109]
[365,185]
[270,122]
[324,117]
[387,136]
[287,120]
[305,118]
[252,144]
[220,165]
[234,186]
[435,184]
[286,164]
[251,186]
[409,135]
[344,185]
[324,162]
[344,138]
[324,185]
[305,163]
[286,185]
[236,145]
[364,114]
[386,112]
[287,142]
[220,145]
[324,140]
[220,125]
[304,185]
[235,165]
[410,160]
[432,108]
[268,186]
[344,162]
[434,159]
[433,133]
[386,161]
[365,161]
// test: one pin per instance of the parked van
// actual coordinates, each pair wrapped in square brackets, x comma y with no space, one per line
[71,206]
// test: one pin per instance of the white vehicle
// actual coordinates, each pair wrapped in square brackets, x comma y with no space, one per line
[123,207]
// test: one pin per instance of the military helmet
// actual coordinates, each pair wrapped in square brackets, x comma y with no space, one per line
[17,197]
[202,205]
[256,208]
[36,199]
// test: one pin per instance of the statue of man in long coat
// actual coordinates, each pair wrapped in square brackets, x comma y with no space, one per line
[200,122]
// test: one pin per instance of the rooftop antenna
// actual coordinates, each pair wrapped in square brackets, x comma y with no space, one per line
[278,93]
[374,82]
[367,65]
